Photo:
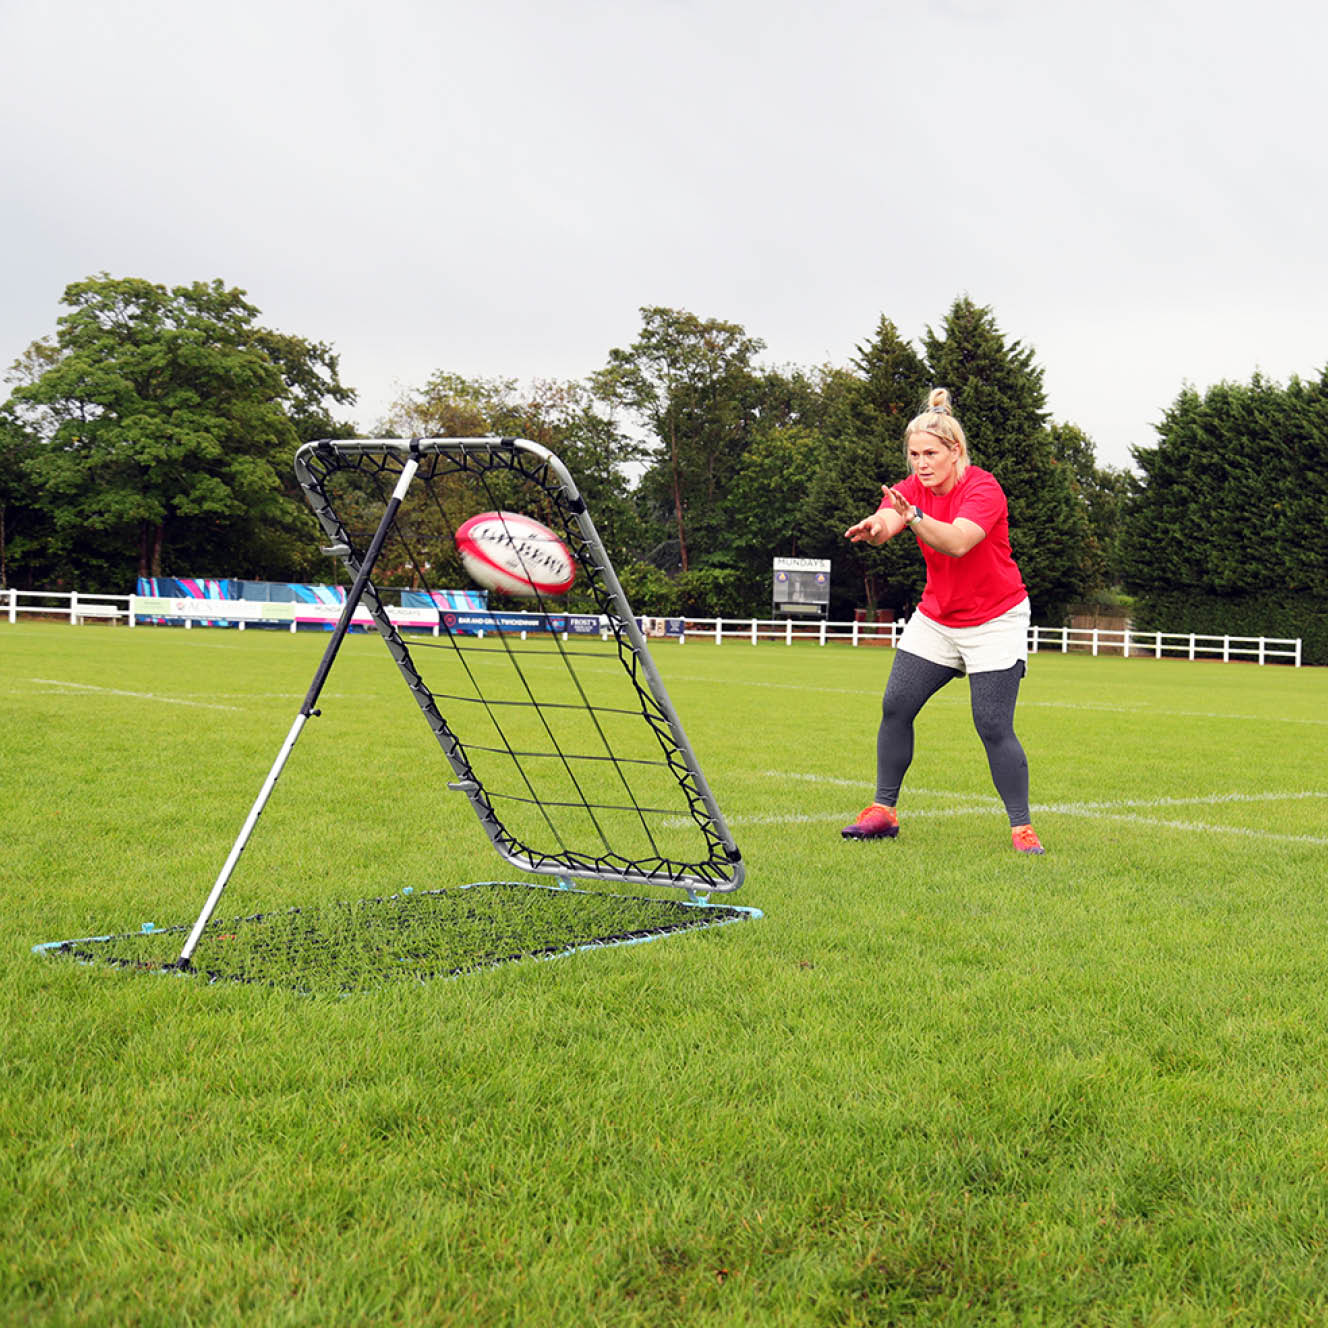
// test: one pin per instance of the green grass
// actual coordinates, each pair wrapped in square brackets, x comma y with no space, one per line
[937,1082]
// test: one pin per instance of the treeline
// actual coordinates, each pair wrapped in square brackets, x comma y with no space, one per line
[1227,528]
[153,433]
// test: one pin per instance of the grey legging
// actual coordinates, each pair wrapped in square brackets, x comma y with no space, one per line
[913,681]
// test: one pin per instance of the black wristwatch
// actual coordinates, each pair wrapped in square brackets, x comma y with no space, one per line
[917,515]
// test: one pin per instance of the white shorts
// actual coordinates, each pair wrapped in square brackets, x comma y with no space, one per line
[987,648]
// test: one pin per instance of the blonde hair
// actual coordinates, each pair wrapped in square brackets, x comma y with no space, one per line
[937,420]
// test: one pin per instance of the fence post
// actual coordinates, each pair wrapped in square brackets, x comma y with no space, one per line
[1034,645]
[73,608]
[719,631]
[1261,646]
[1125,644]
[788,632]
[855,631]
[13,605]
[1191,645]
[1095,630]
[1065,640]
[753,631]
[1298,652]
[822,641]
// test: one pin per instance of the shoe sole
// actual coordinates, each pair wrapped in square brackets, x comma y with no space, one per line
[871,834]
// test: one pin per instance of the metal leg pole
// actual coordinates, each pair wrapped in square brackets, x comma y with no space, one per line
[310,701]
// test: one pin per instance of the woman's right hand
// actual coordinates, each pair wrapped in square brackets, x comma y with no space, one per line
[872,529]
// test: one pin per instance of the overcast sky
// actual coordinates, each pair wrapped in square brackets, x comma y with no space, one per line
[494,188]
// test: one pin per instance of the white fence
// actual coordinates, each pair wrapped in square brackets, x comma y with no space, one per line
[1095,640]
[78,608]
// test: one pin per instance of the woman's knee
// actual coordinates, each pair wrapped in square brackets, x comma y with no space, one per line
[994,730]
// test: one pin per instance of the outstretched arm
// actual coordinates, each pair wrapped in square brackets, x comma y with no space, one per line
[883,524]
[954,538]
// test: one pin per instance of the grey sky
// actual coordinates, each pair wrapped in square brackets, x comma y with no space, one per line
[493,189]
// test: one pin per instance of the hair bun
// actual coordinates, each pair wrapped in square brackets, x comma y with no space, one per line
[939,401]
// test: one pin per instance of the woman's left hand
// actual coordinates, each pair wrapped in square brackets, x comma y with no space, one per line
[901,504]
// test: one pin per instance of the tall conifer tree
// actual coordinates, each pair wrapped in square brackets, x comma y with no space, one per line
[996,388]
[867,450]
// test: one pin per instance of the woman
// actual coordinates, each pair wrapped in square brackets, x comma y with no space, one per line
[973,617]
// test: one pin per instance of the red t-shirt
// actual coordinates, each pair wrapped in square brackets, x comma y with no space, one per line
[984,583]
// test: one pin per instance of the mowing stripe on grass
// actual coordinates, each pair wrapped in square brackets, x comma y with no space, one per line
[1024,702]
[1185,714]
[115,691]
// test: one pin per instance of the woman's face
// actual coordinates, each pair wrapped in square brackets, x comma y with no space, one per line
[932,461]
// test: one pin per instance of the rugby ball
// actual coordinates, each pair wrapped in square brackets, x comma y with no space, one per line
[515,554]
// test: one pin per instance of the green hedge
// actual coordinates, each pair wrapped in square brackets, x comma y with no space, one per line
[1272,613]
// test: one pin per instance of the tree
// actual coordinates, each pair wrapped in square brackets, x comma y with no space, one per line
[998,397]
[768,497]
[866,411]
[449,406]
[18,502]
[1227,532]
[689,380]
[167,420]
[1234,499]
[562,416]
[1103,491]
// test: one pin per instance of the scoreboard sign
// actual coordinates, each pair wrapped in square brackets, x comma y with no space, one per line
[801,586]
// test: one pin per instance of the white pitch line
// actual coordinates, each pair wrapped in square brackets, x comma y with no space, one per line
[1075,808]
[1195,826]
[115,691]
[1117,810]
[1206,800]
[845,817]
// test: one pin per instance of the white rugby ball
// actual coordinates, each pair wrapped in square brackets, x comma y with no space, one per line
[515,554]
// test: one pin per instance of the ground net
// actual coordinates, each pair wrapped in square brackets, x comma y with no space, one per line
[335,948]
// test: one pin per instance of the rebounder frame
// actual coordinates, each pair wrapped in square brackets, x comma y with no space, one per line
[725,871]
[401,461]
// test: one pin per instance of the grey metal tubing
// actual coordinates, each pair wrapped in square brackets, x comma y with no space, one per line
[306,709]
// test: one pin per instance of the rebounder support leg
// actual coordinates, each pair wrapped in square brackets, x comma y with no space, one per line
[306,710]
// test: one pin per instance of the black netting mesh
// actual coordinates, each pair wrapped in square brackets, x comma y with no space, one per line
[576,766]
[333,948]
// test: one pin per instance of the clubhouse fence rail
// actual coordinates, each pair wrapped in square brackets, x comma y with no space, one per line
[1126,642]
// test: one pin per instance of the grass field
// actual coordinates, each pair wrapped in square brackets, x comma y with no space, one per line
[937,1082]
